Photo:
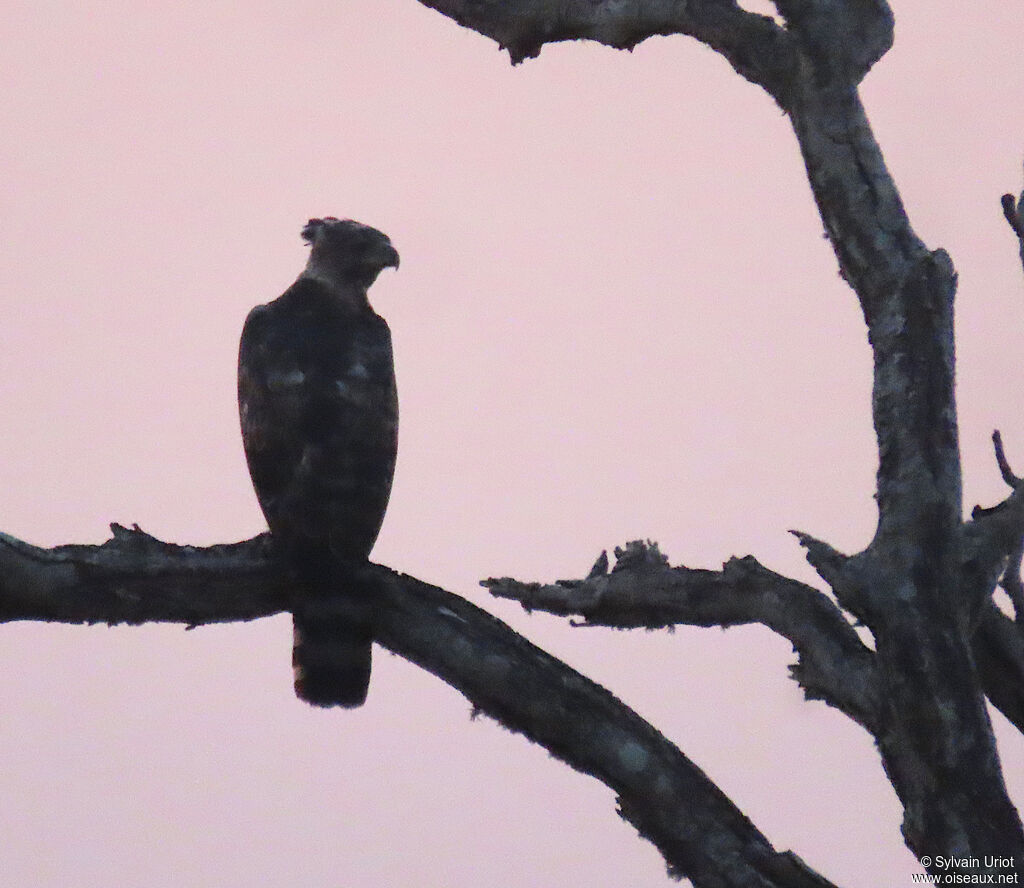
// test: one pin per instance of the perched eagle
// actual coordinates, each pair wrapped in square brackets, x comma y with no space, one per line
[319,412]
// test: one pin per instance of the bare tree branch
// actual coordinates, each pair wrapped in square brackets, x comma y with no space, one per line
[1012,210]
[1011,581]
[993,549]
[135,578]
[1013,521]
[840,571]
[643,591]
[933,730]
[753,44]
[923,586]
[935,738]
[997,645]
[999,652]
[1004,466]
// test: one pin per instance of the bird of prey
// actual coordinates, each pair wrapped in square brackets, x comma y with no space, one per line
[319,415]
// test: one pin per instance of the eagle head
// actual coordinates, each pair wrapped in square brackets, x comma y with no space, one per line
[347,252]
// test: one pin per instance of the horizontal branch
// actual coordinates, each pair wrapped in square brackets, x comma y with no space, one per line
[644,591]
[135,578]
[754,45]
[835,666]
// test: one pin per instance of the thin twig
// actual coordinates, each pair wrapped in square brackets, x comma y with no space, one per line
[1004,466]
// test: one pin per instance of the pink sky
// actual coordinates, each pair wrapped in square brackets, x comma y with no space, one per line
[616,317]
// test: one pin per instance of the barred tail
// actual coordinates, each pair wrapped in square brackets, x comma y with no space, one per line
[331,655]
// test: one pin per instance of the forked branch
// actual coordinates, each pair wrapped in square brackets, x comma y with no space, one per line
[933,730]
[642,590]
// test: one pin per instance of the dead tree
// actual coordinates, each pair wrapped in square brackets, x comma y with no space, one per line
[934,643]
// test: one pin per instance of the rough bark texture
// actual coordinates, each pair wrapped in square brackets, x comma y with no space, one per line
[754,45]
[642,590]
[135,578]
[919,586]
[934,737]
[923,586]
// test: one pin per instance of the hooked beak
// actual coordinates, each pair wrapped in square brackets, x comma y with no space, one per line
[389,256]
